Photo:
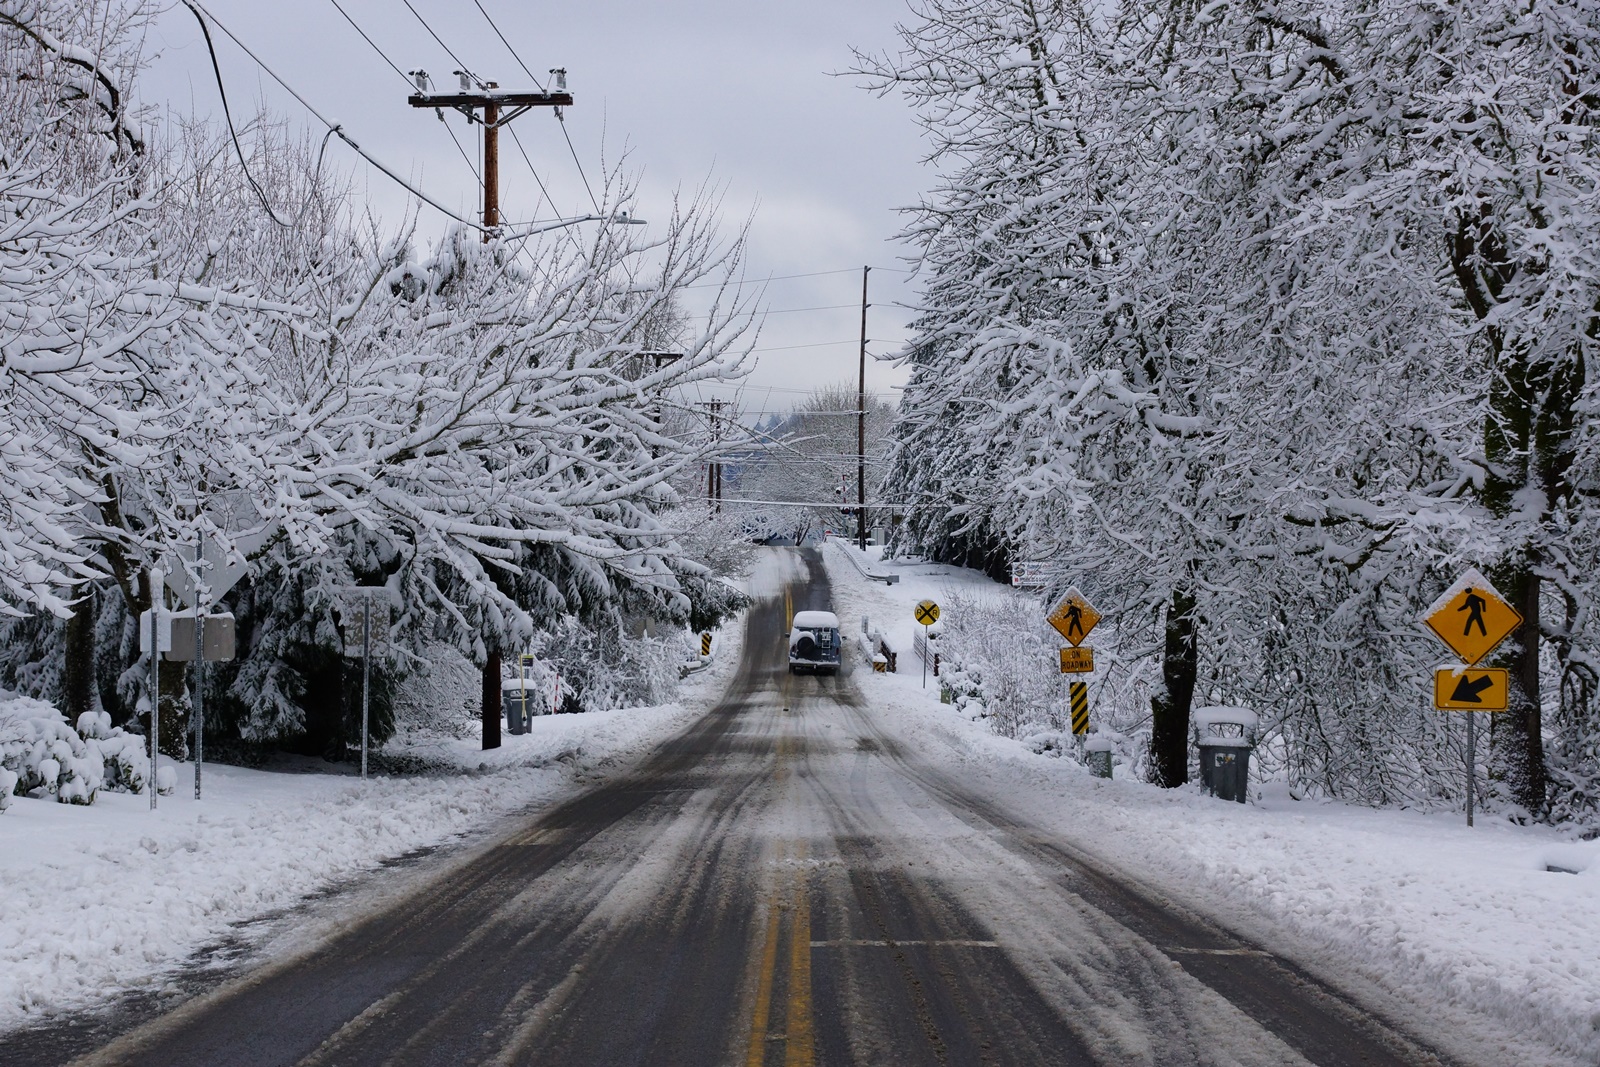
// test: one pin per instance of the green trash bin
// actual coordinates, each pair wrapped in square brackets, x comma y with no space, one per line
[1097,755]
[519,706]
[1225,737]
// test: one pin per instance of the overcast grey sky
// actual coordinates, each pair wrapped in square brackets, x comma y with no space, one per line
[737,91]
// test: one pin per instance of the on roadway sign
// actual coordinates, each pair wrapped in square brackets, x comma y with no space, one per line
[1077,660]
[1074,617]
[927,613]
[1472,617]
[1470,689]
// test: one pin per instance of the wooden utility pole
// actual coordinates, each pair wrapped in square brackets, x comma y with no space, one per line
[716,464]
[489,99]
[491,163]
[861,423]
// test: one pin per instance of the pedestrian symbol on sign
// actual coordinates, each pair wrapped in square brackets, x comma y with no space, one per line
[1073,617]
[1474,605]
[1075,621]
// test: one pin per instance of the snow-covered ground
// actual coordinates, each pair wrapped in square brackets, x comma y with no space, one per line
[1384,902]
[104,899]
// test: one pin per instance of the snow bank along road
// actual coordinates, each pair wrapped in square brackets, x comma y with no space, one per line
[780,884]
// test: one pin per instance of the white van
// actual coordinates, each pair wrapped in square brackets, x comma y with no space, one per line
[814,643]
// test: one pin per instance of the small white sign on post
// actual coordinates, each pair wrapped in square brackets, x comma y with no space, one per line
[162,629]
[364,611]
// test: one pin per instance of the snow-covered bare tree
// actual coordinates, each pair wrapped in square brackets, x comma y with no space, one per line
[810,457]
[1205,302]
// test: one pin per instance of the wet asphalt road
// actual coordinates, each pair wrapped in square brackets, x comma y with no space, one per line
[779,885]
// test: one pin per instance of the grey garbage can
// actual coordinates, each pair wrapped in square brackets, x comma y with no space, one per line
[1225,737]
[1097,754]
[519,713]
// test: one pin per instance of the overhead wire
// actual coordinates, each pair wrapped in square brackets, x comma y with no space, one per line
[811,274]
[507,43]
[334,127]
[216,68]
[436,37]
[560,119]
[405,78]
[369,40]
[509,129]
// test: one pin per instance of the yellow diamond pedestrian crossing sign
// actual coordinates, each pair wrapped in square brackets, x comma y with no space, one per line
[1472,617]
[1074,617]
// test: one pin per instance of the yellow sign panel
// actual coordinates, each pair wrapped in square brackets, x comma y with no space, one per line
[927,613]
[1470,689]
[1077,660]
[1074,617]
[1472,617]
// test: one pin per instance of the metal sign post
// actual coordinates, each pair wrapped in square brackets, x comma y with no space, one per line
[1472,618]
[155,683]
[366,673]
[927,614]
[1472,762]
[351,602]
[199,689]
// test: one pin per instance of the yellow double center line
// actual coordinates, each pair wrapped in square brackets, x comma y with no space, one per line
[799,1043]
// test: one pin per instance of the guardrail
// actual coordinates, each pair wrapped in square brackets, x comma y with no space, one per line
[886,579]
[921,644]
[874,648]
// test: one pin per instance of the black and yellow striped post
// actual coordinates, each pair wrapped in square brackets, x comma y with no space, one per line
[1080,708]
[705,642]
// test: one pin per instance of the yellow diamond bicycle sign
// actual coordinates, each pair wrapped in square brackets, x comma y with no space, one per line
[1472,617]
[1074,617]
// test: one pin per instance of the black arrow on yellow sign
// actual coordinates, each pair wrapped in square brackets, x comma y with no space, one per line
[1469,690]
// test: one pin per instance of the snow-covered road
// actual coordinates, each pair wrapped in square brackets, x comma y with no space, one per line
[808,874]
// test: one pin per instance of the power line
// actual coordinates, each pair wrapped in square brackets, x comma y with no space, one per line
[435,36]
[333,126]
[369,41]
[576,160]
[223,93]
[815,344]
[812,274]
[405,78]
[507,43]
[470,165]
[540,182]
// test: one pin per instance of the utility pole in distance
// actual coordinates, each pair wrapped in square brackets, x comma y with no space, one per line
[861,423]
[490,99]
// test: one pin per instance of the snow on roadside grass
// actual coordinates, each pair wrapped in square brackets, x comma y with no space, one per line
[1396,902]
[96,901]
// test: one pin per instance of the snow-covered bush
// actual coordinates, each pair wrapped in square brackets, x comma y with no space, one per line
[41,754]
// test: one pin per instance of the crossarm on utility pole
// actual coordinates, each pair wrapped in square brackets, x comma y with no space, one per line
[498,108]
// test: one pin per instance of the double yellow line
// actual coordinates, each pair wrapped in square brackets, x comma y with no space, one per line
[799,1043]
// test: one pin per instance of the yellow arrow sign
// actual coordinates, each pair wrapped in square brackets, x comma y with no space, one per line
[1470,689]
[1472,617]
[1074,617]
[927,613]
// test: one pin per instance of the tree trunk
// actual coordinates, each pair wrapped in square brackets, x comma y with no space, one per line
[175,706]
[1169,708]
[1516,742]
[77,667]
[1527,441]
[491,701]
